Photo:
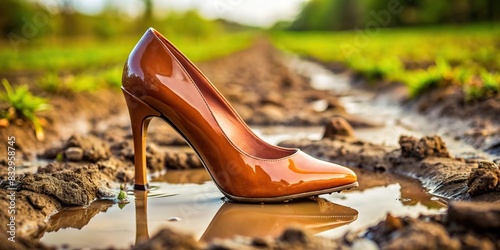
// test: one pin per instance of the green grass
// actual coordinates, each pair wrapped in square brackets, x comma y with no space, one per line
[84,66]
[74,55]
[90,65]
[421,58]
[25,104]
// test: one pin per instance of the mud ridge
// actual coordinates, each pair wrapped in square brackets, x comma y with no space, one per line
[38,196]
[426,159]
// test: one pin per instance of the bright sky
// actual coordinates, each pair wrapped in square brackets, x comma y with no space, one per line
[252,12]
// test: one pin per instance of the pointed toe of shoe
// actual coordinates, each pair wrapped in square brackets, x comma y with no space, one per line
[349,175]
[338,176]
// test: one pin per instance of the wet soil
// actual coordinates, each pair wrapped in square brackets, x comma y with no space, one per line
[480,117]
[188,201]
[426,159]
[89,151]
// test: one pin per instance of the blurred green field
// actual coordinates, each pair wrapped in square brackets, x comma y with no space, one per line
[421,58]
[77,66]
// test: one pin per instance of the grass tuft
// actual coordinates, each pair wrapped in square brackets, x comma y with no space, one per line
[25,104]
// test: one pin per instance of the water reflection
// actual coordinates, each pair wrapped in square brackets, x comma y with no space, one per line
[77,218]
[141,216]
[202,213]
[259,220]
[271,219]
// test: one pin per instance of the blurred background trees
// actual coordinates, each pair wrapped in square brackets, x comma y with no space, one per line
[66,20]
[348,14]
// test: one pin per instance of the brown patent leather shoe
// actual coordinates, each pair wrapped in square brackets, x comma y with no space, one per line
[159,81]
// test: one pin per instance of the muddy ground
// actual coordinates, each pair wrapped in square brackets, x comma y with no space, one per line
[90,148]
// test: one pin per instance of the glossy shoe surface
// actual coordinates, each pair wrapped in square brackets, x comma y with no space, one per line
[159,81]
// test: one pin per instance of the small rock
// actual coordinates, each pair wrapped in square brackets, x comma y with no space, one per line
[104,192]
[338,126]
[73,154]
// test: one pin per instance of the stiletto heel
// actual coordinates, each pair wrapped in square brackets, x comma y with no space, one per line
[159,81]
[140,116]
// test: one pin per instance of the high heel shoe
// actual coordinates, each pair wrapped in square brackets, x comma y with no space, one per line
[159,81]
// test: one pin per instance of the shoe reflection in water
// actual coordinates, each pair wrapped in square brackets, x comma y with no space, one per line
[260,220]
[141,216]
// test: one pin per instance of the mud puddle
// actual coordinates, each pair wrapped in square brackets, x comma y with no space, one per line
[189,201]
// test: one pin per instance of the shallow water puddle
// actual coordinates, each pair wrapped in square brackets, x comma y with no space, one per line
[178,200]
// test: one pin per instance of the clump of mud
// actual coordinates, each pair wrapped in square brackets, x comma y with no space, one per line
[116,162]
[426,159]
[424,147]
[76,187]
[460,228]
[41,195]
[484,179]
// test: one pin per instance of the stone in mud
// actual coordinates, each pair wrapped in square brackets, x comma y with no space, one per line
[168,239]
[338,126]
[73,154]
[484,179]
[409,233]
[427,146]
[77,187]
[94,149]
